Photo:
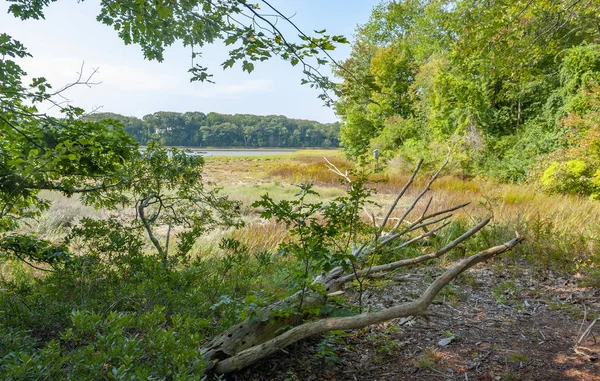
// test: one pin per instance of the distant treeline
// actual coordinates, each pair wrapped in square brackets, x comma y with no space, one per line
[196,129]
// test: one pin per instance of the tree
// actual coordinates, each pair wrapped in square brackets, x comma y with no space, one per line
[100,161]
[480,77]
[66,154]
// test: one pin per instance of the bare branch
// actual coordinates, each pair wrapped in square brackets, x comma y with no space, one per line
[451,209]
[87,82]
[420,195]
[336,170]
[422,236]
[417,307]
[400,194]
[413,261]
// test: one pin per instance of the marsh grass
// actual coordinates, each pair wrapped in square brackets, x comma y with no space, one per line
[313,169]
[562,231]
[304,153]
[262,235]
[247,194]
[64,213]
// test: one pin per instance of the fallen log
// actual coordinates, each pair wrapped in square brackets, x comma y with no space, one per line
[269,331]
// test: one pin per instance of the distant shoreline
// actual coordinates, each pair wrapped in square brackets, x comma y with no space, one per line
[250,152]
[291,149]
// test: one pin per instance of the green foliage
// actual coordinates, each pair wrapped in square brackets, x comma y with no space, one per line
[196,129]
[110,307]
[113,304]
[250,32]
[575,169]
[500,96]
[580,67]
[38,152]
[118,346]
[322,233]
[573,176]
[327,347]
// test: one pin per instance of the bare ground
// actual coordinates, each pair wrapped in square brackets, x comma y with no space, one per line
[502,329]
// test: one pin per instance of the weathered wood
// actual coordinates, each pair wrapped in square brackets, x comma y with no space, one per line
[274,327]
[303,331]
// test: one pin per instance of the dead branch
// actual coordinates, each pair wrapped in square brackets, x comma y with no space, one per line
[586,333]
[417,307]
[413,261]
[421,194]
[268,332]
[400,194]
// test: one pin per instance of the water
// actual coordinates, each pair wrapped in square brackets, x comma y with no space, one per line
[241,152]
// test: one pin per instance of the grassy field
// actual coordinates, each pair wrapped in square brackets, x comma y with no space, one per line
[562,231]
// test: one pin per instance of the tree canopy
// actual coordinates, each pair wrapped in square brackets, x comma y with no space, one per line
[197,129]
[75,153]
[499,82]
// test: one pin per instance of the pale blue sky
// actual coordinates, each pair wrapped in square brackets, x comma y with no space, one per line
[132,86]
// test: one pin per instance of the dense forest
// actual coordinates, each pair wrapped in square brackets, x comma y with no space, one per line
[511,87]
[196,129]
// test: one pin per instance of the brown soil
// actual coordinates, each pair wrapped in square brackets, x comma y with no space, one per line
[504,329]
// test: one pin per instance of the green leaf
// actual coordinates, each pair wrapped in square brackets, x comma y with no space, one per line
[247,66]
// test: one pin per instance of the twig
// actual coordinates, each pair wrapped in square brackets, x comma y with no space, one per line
[400,194]
[586,333]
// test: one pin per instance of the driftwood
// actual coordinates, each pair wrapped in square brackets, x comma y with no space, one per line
[267,332]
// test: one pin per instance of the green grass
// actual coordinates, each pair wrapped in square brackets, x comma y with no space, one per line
[517,357]
[247,194]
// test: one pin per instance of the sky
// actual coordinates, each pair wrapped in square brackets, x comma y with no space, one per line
[130,85]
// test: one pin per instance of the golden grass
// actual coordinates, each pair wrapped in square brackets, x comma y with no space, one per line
[561,230]
[329,153]
[261,235]
[303,153]
[505,201]
[309,169]
[247,193]
[556,225]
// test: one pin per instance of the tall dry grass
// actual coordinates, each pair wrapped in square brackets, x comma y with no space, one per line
[313,169]
[567,213]
[562,231]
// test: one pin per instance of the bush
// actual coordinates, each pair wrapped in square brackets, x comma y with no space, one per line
[573,176]
[119,346]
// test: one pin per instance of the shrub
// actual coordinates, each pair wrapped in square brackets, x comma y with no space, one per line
[119,346]
[573,176]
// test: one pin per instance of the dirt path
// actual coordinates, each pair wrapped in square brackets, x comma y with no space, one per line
[497,328]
